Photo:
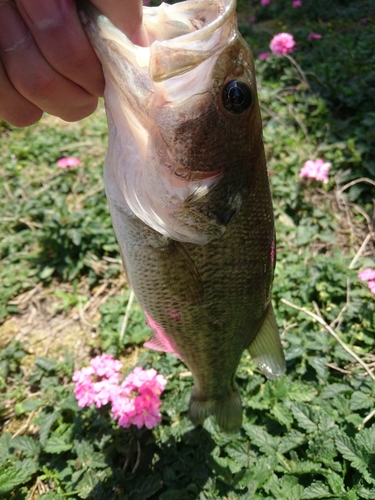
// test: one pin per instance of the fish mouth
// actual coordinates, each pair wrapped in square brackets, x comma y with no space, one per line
[178,51]
[187,39]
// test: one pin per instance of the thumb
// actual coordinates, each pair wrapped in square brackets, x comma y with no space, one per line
[126,15]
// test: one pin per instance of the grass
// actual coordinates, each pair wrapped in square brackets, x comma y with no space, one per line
[309,435]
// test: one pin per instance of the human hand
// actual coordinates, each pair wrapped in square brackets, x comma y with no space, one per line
[47,62]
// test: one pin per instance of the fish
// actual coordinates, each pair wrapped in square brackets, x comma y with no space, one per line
[189,195]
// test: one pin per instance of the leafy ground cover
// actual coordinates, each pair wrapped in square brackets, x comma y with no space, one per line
[63,300]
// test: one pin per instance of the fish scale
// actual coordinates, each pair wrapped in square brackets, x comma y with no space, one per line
[189,195]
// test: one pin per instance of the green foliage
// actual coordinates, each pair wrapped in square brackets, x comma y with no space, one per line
[112,317]
[308,435]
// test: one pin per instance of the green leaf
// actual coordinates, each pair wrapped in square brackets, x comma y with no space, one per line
[366,439]
[46,272]
[285,488]
[335,482]
[239,451]
[46,420]
[69,403]
[333,389]
[26,444]
[303,416]
[46,364]
[282,414]
[84,450]
[360,400]
[317,490]
[301,393]
[358,457]
[365,493]
[320,365]
[5,445]
[302,467]
[266,443]
[57,444]
[263,469]
[15,475]
[291,441]
[87,484]
[31,405]
[145,488]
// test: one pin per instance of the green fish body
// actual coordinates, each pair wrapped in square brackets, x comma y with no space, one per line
[187,184]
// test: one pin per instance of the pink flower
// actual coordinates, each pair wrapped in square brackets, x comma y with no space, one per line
[313,36]
[371,285]
[317,169]
[70,161]
[263,55]
[146,2]
[138,401]
[84,375]
[97,383]
[135,401]
[105,365]
[253,19]
[104,390]
[296,3]
[367,274]
[282,43]
[85,395]
[264,2]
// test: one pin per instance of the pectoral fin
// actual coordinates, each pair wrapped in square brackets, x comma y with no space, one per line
[266,349]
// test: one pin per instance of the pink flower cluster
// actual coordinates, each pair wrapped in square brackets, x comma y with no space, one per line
[263,55]
[369,276]
[135,401]
[317,169]
[313,36]
[69,161]
[282,43]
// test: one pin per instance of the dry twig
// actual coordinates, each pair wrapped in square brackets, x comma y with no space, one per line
[366,419]
[25,426]
[360,251]
[330,330]
[126,317]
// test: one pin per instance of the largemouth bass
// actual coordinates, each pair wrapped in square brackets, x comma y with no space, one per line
[188,190]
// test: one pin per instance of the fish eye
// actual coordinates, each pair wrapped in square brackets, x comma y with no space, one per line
[236,97]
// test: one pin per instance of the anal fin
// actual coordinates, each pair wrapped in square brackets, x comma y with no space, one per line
[266,349]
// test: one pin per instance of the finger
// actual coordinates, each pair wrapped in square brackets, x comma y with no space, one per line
[126,15]
[60,37]
[14,108]
[32,76]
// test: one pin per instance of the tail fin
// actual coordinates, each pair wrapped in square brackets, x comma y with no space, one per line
[227,411]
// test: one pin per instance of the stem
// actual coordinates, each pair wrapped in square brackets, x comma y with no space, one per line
[299,69]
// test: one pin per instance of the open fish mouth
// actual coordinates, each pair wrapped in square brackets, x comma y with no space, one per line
[155,98]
